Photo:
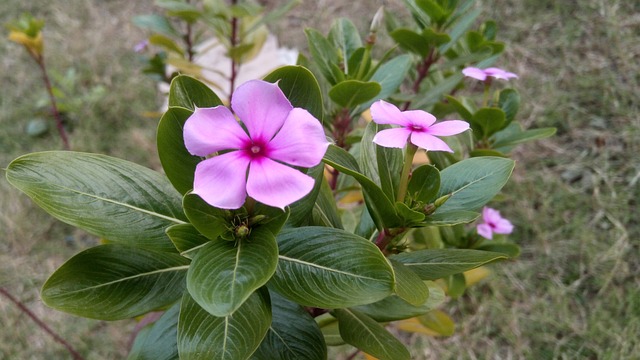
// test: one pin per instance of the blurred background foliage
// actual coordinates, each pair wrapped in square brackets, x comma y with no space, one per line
[573,293]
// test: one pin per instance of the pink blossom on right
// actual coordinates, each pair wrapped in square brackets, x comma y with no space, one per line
[492,223]
[483,74]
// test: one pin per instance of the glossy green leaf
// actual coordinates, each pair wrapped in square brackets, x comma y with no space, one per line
[344,36]
[381,164]
[325,209]
[460,27]
[330,331]
[325,56]
[382,210]
[511,250]
[450,218]
[522,136]
[462,108]
[367,335]
[299,86]
[409,286]
[409,217]
[436,12]
[187,92]
[411,41]
[114,281]
[186,238]
[178,164]
[473,182]
[456,285]
[351,93]
[224,274]
[158,341]
[108,197]
[424,184]
[486,152]
[210,221]
[509,102]
[435,38]
[165,42]
[439,322]
[395,308]
[301,210]
[434,93]
[432,264]
[487,121]
[202,336]
[293,334]
[330,268]
[390,76]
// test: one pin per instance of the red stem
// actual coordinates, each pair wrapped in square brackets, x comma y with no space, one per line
[423,72]
[234,42]
[54,105]
[353,355]
[41,324]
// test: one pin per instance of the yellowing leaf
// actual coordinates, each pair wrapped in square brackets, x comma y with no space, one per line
[475,275]
[439,322]
[414,326]
[33,44]
[369,357]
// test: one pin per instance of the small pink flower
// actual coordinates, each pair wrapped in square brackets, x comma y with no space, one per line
[492,222]
[252,159]
[483,74]
[141,46]
[416,126]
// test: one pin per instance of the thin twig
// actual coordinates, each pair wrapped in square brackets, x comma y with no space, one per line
[353,355]
[54,106]
[41,324]
[423,71]
[234,42]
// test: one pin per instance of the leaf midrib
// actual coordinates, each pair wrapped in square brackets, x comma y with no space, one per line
[286,258]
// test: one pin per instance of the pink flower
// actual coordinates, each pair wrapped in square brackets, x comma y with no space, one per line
[141,46]
[251,157]
[416,126]
[493,72]
[493,223]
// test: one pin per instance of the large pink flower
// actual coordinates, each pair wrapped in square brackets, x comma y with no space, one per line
[492,222]
[251,157]
[483,74]
[416,126]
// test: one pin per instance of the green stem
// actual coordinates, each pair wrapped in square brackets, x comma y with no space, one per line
[410,151]
[485,98]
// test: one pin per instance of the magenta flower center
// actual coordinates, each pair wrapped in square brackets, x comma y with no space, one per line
[256,149]
[416,128]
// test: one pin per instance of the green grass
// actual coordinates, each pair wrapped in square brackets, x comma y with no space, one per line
[575,291]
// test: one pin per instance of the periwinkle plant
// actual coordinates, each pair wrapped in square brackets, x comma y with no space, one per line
[296,225]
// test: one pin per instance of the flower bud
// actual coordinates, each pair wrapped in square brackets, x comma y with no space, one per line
[377,20]
[242,231]
[441,200]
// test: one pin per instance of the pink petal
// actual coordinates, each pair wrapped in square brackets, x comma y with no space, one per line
[209,130]
[419,118]
[448,128]
[429,142]
[484,230]
[503,226]
[383,112]
[499,73]
[262,107]
[475,73]
[221,180]
[490,215]
[394,138]
[274,184]
[300,141]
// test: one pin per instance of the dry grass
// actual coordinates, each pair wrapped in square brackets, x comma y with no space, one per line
[574,292]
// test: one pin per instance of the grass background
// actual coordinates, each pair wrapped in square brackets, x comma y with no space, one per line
[575,291]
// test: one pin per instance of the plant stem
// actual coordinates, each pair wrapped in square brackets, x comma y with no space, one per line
[353,355]
[405,175]
[54,105]
[41,324]
[423,72]
[234,42]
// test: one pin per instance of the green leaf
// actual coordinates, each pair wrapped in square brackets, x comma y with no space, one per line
[330,268]
[456,285]
[114,281]
[165,42]
[293,334]
[433,9]
[367,335]
[178,164]
[394,308]
[325,209]
[461,108]
[224,274]
[409,217]
[461,26]
[325,56]
[424,184]
[302,209]
[511,250]
[186,239]
[522,136]
[382,165]
[350,93]
[381,209]
[432,264]
[487,121]
[344,36]
[473,182]
[210,221]
[450,218]
[435,92]
[108,197]
[202,336]
[409,286]
[435,38]
[187,92]
[390,76]
[411,41]
[155,23]
[299,86]
[509,102]
[158,341]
